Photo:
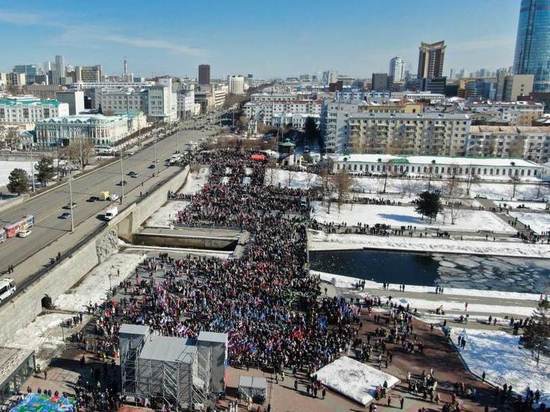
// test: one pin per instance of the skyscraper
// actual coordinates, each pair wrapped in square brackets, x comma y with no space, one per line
[532,54]
[430,60]
[397,69]
[58,70]
[204,74]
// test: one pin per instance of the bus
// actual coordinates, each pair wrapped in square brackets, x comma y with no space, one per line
[7,288]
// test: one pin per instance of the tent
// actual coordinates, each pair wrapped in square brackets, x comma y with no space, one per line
[258,157]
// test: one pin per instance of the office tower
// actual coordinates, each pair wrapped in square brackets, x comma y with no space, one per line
[204,74]
[236,84]
[430,60]
[397,69]
[380,82]
[58,71]
[532,54]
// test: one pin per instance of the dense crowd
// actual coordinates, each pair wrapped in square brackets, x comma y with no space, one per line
[265,300]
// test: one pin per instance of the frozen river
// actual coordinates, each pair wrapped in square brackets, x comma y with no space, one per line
[457,271]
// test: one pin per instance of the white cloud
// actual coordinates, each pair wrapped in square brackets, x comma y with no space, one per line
[88,34]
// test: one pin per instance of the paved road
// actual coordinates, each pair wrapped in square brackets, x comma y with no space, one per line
[48,207]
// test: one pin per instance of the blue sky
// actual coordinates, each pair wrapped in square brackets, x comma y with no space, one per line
[275,38]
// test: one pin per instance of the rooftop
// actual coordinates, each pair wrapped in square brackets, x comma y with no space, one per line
[426,115]
[168,349]
[27,101]
[509,129]
[213,337]
[442,160]
[10,360]
[87,118]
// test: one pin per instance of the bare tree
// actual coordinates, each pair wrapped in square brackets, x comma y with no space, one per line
[453,190]
[341,182]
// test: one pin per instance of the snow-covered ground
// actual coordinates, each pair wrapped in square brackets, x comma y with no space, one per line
[196,181]
[294,180]
[322,241]
[7,166]
[165,216]
[43,335]
[499,355]
[93,289]
[347,282]
[539,222]
[397,216]
[354,379]
[495,191]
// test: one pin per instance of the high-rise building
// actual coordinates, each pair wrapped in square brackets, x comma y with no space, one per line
[532,54]
[397,69]
[204,74]
[380,82]
[516,86]
[430,59]
[236,84]
[58,71]
[88,74]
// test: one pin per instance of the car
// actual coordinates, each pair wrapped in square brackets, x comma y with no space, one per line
[65,215]
[151,166]
[68,205]
[92,199]
[24,233]
[114,197]
[122,183]
[133,174]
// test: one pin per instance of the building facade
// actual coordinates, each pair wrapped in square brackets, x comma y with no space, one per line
[204,74]
[436,166]
[28,110]
[526,142]
[397,69]
[236,84]
[430,60]
[514,113]
[74,98]
[88,74]
[103,131]
[516,86]
[532,55]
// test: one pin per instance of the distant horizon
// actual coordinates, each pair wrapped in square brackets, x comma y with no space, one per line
[245,37]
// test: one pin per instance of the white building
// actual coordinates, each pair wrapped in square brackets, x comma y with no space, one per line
[236,84]
[120,100]
[74,98]
[263,111]
[436,166]
[397,69]
[103,131]
[186,103]
[16,79]
[27,110]
[162,104]
[295,120]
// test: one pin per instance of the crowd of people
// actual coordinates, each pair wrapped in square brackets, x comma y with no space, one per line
[273,311]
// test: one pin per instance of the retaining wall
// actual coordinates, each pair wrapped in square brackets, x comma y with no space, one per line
[25,306]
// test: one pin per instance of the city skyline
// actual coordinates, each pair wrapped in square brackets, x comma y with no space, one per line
[235,39]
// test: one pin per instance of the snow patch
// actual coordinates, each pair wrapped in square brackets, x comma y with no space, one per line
[93,289]
[354,379]
[290,179]
[166,215]
[539,222]
[322,241]
[499,355]
[397,216]
[195,181]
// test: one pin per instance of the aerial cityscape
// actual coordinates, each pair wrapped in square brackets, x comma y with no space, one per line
[211,206]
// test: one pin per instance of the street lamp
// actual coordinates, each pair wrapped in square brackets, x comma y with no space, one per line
[71,199]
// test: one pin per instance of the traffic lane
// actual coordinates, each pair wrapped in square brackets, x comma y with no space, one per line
[49,227]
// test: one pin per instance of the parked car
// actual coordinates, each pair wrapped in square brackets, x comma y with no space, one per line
[24,233]
[65,215]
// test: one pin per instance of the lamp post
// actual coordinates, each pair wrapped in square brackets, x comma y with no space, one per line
[71,199]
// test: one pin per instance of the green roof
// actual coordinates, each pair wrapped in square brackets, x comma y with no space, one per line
[28,101]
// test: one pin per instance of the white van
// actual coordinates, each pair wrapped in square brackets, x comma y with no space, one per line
[7,288]
[111,213]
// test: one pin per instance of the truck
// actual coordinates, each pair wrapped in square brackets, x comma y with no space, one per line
[110,213]
[103,195]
